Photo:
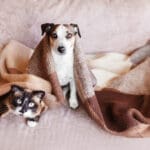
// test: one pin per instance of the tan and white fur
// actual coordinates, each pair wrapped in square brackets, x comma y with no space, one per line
[27,103]
[62,41]
[64,63]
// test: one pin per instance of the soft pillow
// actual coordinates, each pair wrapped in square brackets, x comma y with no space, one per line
[106,25]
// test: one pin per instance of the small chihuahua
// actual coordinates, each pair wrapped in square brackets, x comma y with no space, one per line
[24,102]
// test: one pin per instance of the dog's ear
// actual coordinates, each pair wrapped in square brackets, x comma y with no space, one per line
[16,90]
[38,95]
[47,27]
[76,29]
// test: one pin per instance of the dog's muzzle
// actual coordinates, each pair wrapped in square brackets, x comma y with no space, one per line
[61,49]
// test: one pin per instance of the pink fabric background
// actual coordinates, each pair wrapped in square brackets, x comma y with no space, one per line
[106,25]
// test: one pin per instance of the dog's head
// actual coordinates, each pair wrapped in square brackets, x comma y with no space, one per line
[61,36]
[25,102]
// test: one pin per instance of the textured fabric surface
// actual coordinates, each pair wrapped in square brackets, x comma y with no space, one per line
[62,128]
[106,108]
[111,25]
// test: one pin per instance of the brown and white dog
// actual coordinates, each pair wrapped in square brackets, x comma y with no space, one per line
[62,40]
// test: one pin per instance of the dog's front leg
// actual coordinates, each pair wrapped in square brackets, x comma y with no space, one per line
[73,101]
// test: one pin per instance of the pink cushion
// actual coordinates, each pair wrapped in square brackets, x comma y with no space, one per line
[106,25]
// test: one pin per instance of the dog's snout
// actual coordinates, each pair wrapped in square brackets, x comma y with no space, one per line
[22,111]
[61,49]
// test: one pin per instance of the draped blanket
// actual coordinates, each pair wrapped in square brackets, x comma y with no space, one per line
[120,101]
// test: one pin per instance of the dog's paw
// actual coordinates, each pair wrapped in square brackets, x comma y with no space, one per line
[73,104]
[31,123]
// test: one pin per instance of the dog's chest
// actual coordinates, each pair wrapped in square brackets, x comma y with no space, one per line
[64,67]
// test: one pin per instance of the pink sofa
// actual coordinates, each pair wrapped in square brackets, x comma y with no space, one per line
[106,25]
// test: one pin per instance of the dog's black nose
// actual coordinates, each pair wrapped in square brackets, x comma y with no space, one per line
[61,49]
[22,111]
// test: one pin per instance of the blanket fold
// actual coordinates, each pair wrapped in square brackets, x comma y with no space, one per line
[84,84]
[39,63]
[121,105]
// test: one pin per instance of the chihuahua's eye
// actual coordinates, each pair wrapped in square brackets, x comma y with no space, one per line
[54,35]
[69,35]
[19,101]
[31,104]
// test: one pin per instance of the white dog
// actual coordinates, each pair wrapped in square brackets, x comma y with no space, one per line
[62,38]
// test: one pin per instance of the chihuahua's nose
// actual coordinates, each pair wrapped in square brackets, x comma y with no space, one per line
[22,111]
[61,49]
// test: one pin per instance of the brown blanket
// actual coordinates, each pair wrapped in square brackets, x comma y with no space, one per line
[122,108]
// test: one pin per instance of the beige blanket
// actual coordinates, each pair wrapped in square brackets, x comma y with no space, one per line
[123,112]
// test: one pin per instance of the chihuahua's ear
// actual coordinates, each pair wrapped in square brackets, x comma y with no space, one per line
[16,90]
[47,27]
[76,29]
[39,94]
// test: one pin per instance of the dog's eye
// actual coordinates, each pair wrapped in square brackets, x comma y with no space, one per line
[54,35]
[31,104]
[19,101]
[69,35]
